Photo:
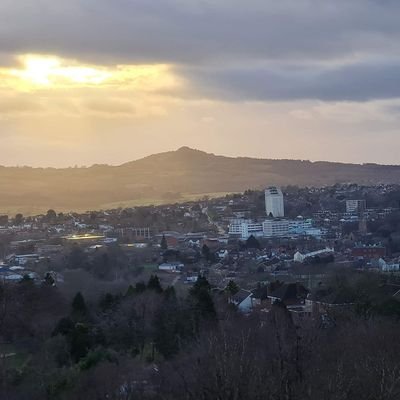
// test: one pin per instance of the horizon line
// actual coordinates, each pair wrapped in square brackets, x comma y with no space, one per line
[83,166]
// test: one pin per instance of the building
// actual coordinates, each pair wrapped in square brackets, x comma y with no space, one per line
[369,251]
[300,257]
[388,266]
[171,267]
[272,228]
[289,294]
[356,206]
[274,202]
[275,228]
[300,226]
[243,300]
[244,228]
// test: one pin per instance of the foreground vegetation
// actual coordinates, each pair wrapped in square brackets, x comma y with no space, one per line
[149,343]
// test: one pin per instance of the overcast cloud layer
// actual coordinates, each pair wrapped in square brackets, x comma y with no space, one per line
[262,50]
[305,59]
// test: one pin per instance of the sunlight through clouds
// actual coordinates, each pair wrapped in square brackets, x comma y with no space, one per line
[50,85]
[36,72]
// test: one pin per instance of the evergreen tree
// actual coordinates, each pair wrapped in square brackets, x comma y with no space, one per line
[205,251]
[154,284]
[19,218]
[79,309]
[164,244]
[252,243]
[202,301]
[108,301]
[51,215]
[64,327]
[167,325]
[200,284]
[232,288]
[130,291]
[80,341]
[140,287]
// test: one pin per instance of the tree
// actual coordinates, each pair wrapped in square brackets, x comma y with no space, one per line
[19,218]
[51,215]
[232,288]
[252,243]
[79,309]
[164,244]
[77,258]
[64,327]
[202,301]
[167,325]
[80,341]
[140,287]
[205,251]
[130,291]
[154,284]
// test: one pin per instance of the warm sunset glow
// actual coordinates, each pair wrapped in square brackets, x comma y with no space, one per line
[50,72]
[47,71]
[105,81]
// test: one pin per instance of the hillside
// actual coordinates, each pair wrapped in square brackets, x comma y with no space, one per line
[168,177]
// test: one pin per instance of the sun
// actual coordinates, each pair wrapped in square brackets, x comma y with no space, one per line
[53,71]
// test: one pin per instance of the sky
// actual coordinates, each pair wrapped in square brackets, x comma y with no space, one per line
[109,81]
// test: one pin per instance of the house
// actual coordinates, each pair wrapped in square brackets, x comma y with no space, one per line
[171,267]
[243,300]
[260,295]
[321,300]
[369,251]
[299,257]
[191,279]
[289,294]
[388,266]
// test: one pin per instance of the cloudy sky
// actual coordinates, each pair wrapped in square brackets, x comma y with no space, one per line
[108,81]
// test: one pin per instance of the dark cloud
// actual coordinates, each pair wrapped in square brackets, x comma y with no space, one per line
[355,82]
[289,39]
[193,30]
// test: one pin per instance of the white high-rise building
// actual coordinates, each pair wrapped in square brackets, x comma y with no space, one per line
[274,202]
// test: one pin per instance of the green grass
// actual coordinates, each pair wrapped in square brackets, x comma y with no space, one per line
[15,361]
[150,267]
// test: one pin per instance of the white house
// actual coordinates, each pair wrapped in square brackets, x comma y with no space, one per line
[171,267]
[299,257]
[243,299]
[388,267]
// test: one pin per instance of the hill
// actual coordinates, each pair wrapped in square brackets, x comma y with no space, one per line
[169,177]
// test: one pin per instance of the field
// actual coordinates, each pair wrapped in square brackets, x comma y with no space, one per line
[11,210]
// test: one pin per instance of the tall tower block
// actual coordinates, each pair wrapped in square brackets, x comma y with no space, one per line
[274,202]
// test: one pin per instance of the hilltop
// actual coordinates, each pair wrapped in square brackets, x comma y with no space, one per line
[169,177]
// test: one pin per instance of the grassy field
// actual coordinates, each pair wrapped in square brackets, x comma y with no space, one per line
[11,357]
[37,210]
[157,201]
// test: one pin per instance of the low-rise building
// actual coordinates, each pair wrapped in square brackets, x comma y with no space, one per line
[171,267]
[369,251]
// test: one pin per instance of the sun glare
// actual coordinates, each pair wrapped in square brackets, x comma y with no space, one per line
[47,71]
[50,72]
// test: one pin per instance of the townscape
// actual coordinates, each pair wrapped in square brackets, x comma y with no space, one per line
[302,257]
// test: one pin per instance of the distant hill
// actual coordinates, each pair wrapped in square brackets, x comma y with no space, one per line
[169,177]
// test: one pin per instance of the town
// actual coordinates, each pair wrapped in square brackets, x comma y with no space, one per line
[135,303]
[291,235]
